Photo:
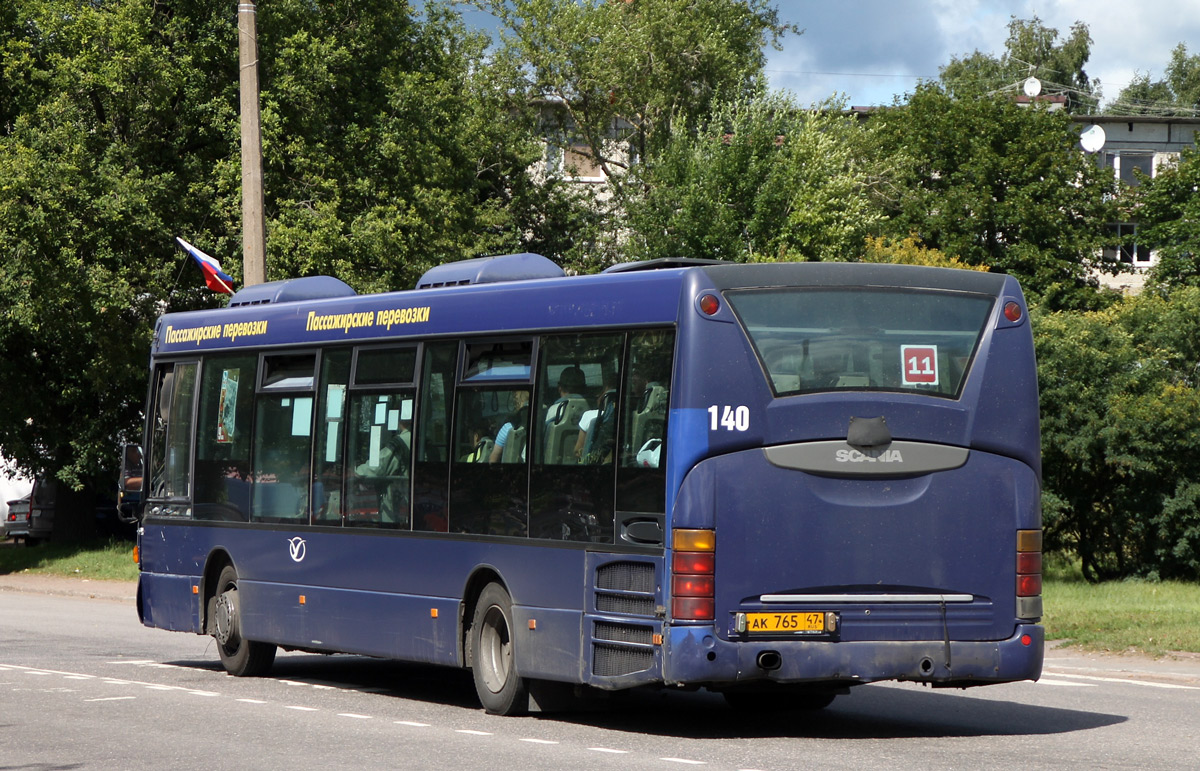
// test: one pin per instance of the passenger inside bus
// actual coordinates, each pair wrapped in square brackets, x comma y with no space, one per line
[509,445]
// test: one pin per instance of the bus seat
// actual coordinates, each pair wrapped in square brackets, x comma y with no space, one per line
[649,421]
[514,448]
[563,430]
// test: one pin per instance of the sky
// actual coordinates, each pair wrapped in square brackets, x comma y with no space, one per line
[872,50]
[869,51]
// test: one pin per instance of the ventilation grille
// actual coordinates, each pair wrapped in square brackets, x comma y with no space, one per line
[626,633]
[613,660]
[617,603]
[626,577]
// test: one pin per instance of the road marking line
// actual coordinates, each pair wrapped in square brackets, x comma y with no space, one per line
[473,733]
[195,693]
[606,749]
[36,672]
[1066,683]
[539,741]
[351,714]
[411,723]
[113,698]
[303,709]
[1129,682]
[252,701]
[683,760]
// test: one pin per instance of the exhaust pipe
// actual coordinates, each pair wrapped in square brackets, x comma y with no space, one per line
[769,661]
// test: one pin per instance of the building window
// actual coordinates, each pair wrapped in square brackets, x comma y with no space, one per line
[1125,247]
[1124,162]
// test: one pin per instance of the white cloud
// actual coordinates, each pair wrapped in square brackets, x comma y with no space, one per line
[871,50]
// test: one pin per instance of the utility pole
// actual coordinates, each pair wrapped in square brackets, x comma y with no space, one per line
[254,267]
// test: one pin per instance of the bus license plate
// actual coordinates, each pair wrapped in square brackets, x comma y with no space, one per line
[785,623]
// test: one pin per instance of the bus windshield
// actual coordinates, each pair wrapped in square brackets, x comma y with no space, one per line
[817,339]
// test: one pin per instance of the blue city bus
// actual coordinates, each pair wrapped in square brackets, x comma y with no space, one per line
[773,481]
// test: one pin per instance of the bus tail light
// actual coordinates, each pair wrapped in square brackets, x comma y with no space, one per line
[693,569]
[1029,574]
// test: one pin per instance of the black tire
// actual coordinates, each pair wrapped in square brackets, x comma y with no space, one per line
[502,691]
[778,701]
[239,656]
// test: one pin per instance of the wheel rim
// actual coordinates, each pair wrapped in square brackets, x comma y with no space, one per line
[495,650]
[226,620]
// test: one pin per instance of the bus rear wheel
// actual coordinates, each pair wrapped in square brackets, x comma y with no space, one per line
[239,656]
[501,690]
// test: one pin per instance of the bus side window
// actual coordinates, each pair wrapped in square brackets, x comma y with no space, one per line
[380,460]
[171,438]
[571,482]
[641,477]
[282,456]
[431,472]
[223,438]
[325,493]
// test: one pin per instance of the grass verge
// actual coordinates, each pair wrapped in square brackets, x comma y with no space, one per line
[111,560]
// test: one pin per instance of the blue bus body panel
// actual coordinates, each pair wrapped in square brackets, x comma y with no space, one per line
[792,532]
[499,309]
[366,593]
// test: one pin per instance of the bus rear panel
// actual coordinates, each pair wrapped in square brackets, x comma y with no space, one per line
[869,479]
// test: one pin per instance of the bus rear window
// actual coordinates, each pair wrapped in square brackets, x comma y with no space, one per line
[863,339]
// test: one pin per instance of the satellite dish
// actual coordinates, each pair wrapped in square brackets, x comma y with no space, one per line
[1032,87]
[1092,138]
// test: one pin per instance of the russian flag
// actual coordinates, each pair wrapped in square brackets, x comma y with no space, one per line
[216,278]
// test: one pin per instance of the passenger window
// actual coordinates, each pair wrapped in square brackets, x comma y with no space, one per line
[641,475]
[571,484]
[283,429]
[326,494]
[648,394]
[223,441]
[380,460]
[431,472]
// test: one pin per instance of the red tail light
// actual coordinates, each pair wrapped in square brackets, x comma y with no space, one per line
[1029,563]
[693,566]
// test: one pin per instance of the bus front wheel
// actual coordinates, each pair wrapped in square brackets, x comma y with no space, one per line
[501,690]
[239,656]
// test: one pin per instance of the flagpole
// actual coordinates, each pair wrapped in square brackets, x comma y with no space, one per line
[254,269]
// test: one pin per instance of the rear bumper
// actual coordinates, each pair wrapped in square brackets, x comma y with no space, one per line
[697,656]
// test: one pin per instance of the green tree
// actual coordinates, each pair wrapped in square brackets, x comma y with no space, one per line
[1120,404]
[992,183]
[119,131]
[760,179]
[610,81]
[1178,93]
[1167,210]
[1031,50]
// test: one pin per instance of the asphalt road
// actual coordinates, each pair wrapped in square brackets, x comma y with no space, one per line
[83,685]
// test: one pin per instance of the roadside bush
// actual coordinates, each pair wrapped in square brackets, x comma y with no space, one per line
[1121,436]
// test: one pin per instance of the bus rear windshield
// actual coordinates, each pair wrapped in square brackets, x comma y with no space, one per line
[863,339]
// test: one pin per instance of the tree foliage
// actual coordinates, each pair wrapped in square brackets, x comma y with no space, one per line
[1177,93]
[119,130]
[632,70]
[1167,210]
[760,179]
[992,183]
[1031,50]
[1120,402]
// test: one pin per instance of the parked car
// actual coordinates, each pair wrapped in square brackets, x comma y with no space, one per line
[16,522]
[32,517]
